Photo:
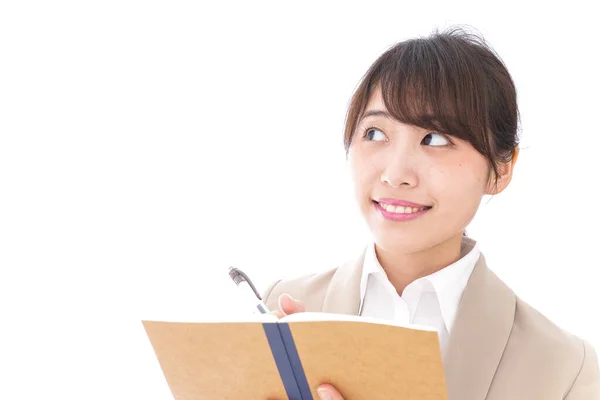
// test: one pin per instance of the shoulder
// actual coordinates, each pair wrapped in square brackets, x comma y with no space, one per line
[540,332]
[310,289]
[531,323]
[537,342]
[534,333]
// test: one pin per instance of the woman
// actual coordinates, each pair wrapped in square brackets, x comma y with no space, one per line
[430,130]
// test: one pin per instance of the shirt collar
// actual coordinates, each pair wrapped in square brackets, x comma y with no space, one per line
[449,283]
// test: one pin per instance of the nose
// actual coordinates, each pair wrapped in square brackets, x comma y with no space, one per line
[400,169]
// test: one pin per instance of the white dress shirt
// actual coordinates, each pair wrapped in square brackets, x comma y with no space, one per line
[431,301]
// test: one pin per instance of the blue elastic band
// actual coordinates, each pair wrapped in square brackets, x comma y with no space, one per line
[294,358]
[287,360]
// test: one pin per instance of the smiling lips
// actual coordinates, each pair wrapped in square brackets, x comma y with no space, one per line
[394,209]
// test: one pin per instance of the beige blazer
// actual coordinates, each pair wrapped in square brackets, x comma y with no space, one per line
[500,347]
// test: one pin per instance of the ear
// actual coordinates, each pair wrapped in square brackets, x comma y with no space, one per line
[505,172]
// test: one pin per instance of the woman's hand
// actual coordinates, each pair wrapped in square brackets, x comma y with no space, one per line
[288,305]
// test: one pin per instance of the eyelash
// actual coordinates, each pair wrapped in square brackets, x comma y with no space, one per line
[366,130]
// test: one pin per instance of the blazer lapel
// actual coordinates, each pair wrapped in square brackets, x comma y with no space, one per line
[343,292]
[483,325]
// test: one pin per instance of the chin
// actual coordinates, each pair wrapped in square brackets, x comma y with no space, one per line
[398,240]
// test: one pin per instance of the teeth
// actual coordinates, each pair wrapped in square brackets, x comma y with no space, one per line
[400,209]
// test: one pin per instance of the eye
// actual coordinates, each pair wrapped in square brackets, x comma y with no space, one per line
[436,139]
[374,134]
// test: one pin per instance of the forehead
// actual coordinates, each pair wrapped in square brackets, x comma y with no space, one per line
[376,101]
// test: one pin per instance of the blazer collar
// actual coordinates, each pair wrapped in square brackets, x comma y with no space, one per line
[481,330]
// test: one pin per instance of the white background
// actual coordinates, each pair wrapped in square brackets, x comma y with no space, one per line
[146,146]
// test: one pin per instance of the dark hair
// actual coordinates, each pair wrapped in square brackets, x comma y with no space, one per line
[451,82]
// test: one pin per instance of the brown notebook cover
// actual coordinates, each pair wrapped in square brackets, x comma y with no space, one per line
[291,357]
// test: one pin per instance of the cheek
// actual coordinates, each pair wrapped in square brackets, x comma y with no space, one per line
[364,174]
[458,188]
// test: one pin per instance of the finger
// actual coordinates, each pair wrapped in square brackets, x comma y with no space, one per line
[289,305]
[278,313]
[328,392]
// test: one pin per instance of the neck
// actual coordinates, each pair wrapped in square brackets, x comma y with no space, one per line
[404,268]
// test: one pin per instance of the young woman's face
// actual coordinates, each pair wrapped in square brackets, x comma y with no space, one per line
[416,188]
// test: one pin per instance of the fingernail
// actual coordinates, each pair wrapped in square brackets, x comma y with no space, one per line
[324,394]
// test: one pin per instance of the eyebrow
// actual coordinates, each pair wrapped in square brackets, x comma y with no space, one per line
[376,113]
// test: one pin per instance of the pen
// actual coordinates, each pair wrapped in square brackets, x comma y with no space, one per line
[248,290]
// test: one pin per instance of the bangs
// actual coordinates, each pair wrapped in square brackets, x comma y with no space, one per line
[422,86]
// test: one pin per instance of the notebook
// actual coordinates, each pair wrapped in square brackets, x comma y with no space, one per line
[267,358]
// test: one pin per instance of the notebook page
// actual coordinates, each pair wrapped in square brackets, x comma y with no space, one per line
[241,318]
[320,316]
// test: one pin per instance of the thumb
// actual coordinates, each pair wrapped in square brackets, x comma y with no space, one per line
[328,392]
[289,305]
